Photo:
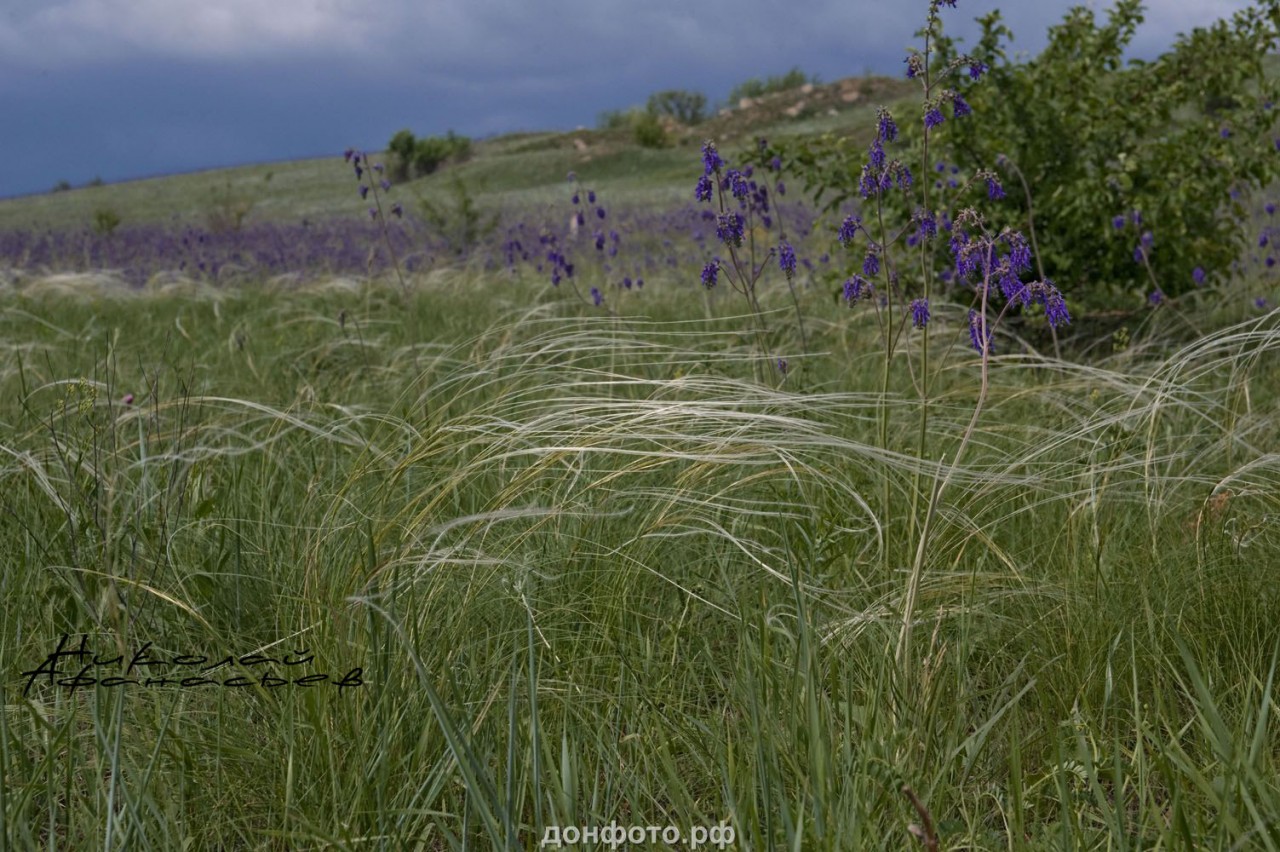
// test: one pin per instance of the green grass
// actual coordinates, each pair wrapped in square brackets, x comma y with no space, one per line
[516,170]
[596,574]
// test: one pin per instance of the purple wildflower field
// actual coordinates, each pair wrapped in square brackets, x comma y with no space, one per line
[622,249]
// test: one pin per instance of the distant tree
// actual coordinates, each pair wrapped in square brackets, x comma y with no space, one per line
[411,156]
[97,181]
[61,186]
[428,154]
[402,147]
[617,119]
[684,106]
[649,132]
[755,87]
[459,147]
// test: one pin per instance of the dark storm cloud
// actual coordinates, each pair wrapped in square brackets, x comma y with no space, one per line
[123,88]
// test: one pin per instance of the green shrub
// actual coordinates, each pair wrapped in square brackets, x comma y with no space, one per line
[1180,141]
[627,119]
[686,107]
[418,157]
[1135,175]
[229,207]
[105,221]
[401,148]
[649,132]
[617,119]
[755,87]
[460,220]
[63,185]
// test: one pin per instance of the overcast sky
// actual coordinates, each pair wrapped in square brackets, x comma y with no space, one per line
[133,88]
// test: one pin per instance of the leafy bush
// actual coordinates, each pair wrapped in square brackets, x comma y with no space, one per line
[105,221]
[63,185]
[684,106]
[1137,175]
[1132,179]
[460,221]
[229,207]
[413,157]
[401,148]
[428,154]
[618,119]
[755,87]
[649,132]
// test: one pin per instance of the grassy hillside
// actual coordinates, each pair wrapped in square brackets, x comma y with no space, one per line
[526,168]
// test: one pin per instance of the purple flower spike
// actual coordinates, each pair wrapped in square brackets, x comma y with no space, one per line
[711,161]
[397,210]
[927,224]
[730,228]
[871,264]
[385,184]
[876,155]
[886,129]
[787,258]
[1197,275]
[597,296]
[975,330]
[920,313]
[702,192]
[855,288]
[709,274]
[933,118]
[960,106]
[849,230]
[364,191]
[1055,308]
[994,190]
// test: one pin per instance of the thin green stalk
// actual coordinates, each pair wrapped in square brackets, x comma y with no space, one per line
[917,566]
[925,267]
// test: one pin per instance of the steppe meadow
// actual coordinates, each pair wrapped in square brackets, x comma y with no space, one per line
[883,463]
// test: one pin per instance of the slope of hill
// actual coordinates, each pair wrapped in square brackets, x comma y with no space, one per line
[516,168]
